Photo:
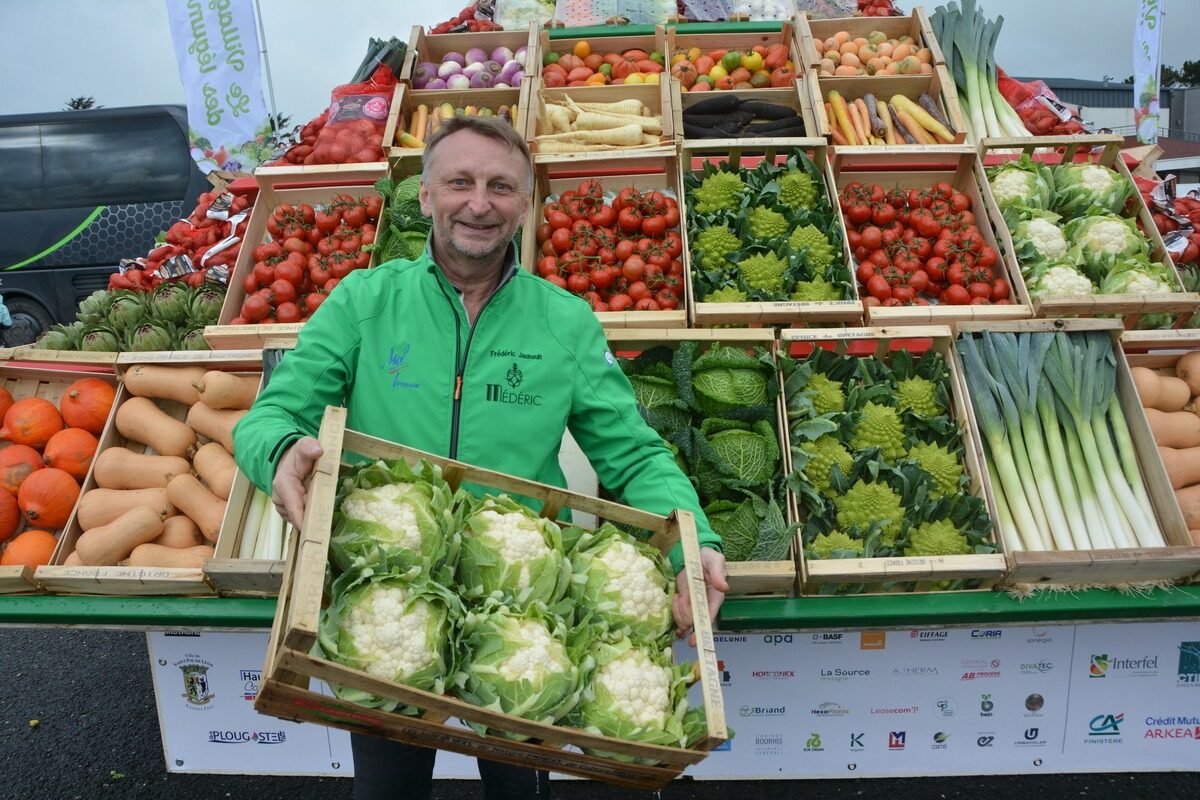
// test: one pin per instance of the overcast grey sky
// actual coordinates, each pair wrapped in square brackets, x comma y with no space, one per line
[120,52]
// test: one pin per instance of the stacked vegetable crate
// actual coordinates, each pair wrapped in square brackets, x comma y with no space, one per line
[291,667]
[1178,559]
[66,574]
[793,97]
[407,101]
[654,98]
[877,562]
[1179,304]
[746,576]
[617,43]
[922,169]
[812,32]
[699,160]
[24,381]
[432,47]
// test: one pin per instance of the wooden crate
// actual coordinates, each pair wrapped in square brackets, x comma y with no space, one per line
[241,577]
[785,312]
[431,47]
[921,168]
[776,578]
[27,353]
[286,688]
[925,571]
[794,96]
[223,335]
[938,84]
[603,44]
[659,172]
[811,33]
[681,41]
[30,381]
[406,100]
[1177,560]
[655,96]
[136,581]
[1106,151]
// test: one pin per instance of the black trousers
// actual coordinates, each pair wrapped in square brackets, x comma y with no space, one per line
[386,770]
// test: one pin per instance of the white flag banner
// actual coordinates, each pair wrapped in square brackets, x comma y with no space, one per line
[216,45]
[1147,42]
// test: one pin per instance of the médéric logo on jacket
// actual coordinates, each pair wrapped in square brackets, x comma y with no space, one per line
[396,363]
[509,392]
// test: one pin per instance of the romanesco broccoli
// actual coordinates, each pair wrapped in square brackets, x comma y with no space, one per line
[820,252]
[828,395]
[940,463]
[764,271]
[726,294]
[720,191]
[939,538]
[796,188]
[918,394]
[867,503]
[880,427]
[766,224]
[713,244]
[824,545]
[823,454]
[818,289]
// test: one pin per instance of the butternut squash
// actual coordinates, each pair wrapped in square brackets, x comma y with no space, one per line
[108,544]
[1188,368]
[224,390]
[139,419]
[216,467]
[101,506]
[166,383]
[202,506]
[120,468]
[179,531]
[1147,382]
[156,555]
[214,424]
[1173,394]
[1176,429]
[1183,465]
[1189,504]
[73,560]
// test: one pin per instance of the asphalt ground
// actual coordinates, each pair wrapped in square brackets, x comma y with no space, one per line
[97,737]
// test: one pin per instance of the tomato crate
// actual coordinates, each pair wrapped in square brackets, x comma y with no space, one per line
[895,573]
[746,577]
[291,666]
[1098,566]
[49,383]
[922,169]
[645,173]
[794,96]
[1104,150]
[696,46]
[227,336]
[618,43]
[937,84]
[812,33]
[63,575]
[433,47]
[786,312]
[656,98]
[407,101]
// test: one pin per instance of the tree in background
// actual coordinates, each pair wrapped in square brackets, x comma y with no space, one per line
[81,103]
[1187,75]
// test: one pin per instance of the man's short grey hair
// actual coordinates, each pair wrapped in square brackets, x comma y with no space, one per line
[491,127]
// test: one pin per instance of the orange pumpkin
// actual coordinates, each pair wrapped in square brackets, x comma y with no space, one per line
[31,549]
[47,497]
[10,516]
[86,403]
[6,401]
[32,422]
[71,450]
[17,462]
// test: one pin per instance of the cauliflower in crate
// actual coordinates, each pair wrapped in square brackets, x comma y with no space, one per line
[624,584]
[508,549]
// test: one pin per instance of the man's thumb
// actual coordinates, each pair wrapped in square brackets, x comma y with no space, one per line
[310,449]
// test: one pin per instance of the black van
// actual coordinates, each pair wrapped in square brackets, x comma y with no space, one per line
[79,191]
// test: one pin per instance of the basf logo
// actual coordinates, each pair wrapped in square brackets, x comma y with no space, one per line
[1105,729]
[986,633]
[1164,729]
[828,638]
[1189,664]
[1102,665]
[945,707]
[896,740]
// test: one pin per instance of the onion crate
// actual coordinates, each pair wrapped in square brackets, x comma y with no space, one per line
[645,173]
[922,168]
[287,690]
[812,33]
[937,84]
[793,96]
[25,381]
[618,44]
[760,577]
[433,47]
[59,577]
[1101,566]
[895,573]
[1105,151]
[756,313]
[653,96]
[406,102]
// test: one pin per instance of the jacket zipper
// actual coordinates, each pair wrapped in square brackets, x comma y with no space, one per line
[460,366]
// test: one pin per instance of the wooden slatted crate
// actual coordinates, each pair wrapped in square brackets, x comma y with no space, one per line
[22,382]
[768,578]
[27,353]
[1179,559]
[286,690]
[404,108]
[921,573]
[132,581]
[681,41]
[811,33]
[794,96]
[787,312]
[618,43]
[921,168]
[656,97]
[1106,151]
[431,47]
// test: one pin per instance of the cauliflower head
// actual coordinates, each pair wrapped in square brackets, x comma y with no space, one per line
[635,687]
[1103,240]
[828,395]
[713,244]
[720,191]
[918,394]
[1039,239]
[1023,183]
[766,224]
[879,426]
[726,294]
[864,504]
[797,189]
[939,538]
[1137,276]
[824,545]
[1081,189]
[1058,279]
[764,271]
[508,549]
[816,290]
[626,584]
[816,246]
[942,465]
[824,453]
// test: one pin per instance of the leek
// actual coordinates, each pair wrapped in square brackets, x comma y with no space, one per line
[249,540]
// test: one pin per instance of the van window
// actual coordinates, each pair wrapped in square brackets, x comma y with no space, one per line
[20,168]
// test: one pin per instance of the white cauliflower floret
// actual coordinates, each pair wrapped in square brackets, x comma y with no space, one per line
[1106,236]
[640,689]
[1046,237]
[539,655]
[1097,178]
[391,638]
[1012,186]
[386,506]
[517,538]
[1061,280]
[637,581]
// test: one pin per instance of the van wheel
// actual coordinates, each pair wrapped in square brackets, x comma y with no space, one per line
[29,318]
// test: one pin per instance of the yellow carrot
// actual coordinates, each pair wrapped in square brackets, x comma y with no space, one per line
[408,140]
[920,134]
[841,117]
[923,118]
[421,118]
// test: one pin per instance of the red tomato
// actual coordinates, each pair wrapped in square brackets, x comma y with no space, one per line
[620,302]
[633,269]
[264,274]
[255,308]
[654,226]
[1000,290]
[646,304]
[667,299]
[557,280]
[290,272]
[878,287]
[957,295]
[871,237]
[313,301]
[638,290]
[287,312]
[578,283]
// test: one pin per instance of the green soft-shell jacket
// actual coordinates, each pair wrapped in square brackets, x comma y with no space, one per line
[393,345]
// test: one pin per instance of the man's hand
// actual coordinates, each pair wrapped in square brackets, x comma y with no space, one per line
[287,491]
[713,563]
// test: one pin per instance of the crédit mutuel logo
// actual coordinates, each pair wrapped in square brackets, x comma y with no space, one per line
[511,394]
[1105,729]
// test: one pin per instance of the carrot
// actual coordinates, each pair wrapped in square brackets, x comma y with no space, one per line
[886,116]
[922,117]
[837,137]
[420,120]
[918,133]
[841,115]
[860,127]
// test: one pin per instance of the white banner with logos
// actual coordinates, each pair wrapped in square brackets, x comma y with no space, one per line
[937,701]
[1147,45]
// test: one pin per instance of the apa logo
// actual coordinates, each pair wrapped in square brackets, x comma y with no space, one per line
[985,740]
[813,744]
[778,638]
[896,740]
[1106,724]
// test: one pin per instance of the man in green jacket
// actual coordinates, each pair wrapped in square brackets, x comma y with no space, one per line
[463,354]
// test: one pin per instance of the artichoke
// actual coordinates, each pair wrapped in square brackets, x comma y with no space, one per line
[128,310]
[93,308]
[149,336]
[99,339]
[171,302]
[205,305]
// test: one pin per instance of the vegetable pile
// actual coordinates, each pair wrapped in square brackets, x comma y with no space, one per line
[309,251]
[171,317]
[475,69]
[147,508]
[764,234]
[619,252]
[481,599]
[48,454]
[469,20]
[570,127]
[1170,399]
[582,66]
[729,115]
[1178,221]
[867,120]
[877,459]
[873,54]
[1065,473]
[757,68]
[920,246]
[715,409]
[426,121]
[403,228]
